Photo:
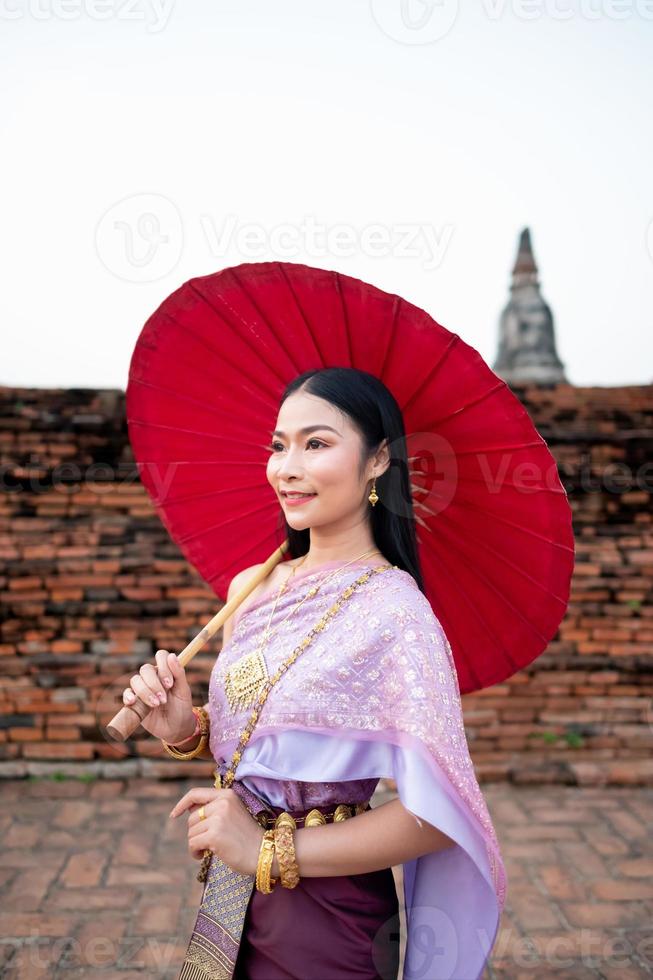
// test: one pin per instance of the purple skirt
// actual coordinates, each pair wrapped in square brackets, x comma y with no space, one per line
[343,927]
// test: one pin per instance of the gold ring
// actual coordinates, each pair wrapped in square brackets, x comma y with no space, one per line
[201,813]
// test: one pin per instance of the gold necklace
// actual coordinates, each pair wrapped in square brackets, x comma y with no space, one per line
[243,677]
[226,781]
[249,674]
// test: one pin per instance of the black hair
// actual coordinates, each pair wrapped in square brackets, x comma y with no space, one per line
[374,411]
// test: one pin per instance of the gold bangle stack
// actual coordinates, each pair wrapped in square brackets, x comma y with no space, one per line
[284,843]
[264,882]
[203,719]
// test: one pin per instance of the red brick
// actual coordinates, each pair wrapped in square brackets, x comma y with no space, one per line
[98,943]
[25,734]
[157,918]
[636,868]
[61,734]
[26,583]
[609,914]
[608,889]
[58,750]
[66,646]
[135,848]
[84,870]
[26,925]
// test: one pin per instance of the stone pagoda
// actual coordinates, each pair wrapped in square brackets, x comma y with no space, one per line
[527,350]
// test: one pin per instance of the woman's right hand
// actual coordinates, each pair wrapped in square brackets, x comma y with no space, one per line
[171,719]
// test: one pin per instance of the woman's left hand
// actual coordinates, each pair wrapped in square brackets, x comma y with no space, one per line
[228,828]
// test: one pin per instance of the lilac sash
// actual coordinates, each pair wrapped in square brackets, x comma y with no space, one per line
[214,942]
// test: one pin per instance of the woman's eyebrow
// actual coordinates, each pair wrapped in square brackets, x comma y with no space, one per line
[306,430]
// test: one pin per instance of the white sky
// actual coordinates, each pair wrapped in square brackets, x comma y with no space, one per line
[141,139]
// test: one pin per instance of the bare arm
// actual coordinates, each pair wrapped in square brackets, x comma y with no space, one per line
[379,838]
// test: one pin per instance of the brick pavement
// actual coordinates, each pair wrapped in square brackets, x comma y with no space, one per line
[95,881]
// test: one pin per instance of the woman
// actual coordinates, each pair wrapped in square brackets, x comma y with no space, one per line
[373,694]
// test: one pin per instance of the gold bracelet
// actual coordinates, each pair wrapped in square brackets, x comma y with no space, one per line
[203,718]
[284,841]
[264,881]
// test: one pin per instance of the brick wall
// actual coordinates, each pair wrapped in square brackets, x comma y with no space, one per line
[91,586]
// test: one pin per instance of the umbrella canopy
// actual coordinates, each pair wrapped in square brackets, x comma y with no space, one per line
[494,529]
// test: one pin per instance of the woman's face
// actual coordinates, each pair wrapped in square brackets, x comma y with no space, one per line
[323,462]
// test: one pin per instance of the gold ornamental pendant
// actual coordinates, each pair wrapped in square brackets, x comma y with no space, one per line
[245,679]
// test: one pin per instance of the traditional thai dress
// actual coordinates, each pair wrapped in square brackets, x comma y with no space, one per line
[374,695]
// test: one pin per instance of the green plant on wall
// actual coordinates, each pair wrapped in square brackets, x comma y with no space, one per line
[59,776]
[572,738]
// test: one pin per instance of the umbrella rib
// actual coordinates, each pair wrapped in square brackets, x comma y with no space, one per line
[179,395]
[504,483]
[497,449]
[192,432]
[254,551]
[450,632]
[201,341]
[343,306]
[309,333]
[242,335]
[489,584]
[393,331]
[214,527]
[433,371]
[475,401]
[217,352]
[210,493]
[500,646]
[506,561]
[265,320]
[498,517]
[197,463]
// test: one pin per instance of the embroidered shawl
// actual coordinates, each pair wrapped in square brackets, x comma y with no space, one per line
[374,695]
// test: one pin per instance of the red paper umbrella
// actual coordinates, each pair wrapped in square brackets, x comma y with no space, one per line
[493,521]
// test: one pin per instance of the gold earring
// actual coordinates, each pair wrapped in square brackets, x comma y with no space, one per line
[373,496]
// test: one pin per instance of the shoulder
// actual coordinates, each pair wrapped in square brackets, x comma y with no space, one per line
[407,631]
[401,607]
[238,582]
[395,582]
[241,579]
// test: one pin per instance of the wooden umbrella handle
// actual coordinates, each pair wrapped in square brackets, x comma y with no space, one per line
[125,723]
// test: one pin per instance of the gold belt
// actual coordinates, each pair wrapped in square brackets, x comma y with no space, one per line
[315,817]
